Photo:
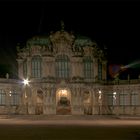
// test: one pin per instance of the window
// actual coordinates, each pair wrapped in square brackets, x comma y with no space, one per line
[62,66]
[110,99]
[36,67]
[88,68]
[2,97]
[99,70]
[124,100]
[14,98]
[134,99]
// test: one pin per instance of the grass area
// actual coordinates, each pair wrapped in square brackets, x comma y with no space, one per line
[52,132]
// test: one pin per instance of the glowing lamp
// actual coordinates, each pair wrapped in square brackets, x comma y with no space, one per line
[64,93]
[26,82]
[114,93]
[100,91]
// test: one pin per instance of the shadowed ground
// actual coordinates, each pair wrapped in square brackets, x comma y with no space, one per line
[16,128]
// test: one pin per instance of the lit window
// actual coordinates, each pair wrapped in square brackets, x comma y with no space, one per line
[134,99]
[2,97]
[36,67]
[62,66]
[14,98]
[88,68]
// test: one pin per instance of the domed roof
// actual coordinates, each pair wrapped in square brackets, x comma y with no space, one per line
[39,40]
[83,41]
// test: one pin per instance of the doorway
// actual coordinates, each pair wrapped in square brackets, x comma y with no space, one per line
[87,103]
[39,103]
[63,102]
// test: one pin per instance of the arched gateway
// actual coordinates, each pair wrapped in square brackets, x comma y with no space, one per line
[39,103]
[63,102]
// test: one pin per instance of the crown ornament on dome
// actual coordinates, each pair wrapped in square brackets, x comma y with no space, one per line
[62,40]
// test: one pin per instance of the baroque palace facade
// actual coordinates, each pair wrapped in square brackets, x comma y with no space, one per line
[66,76]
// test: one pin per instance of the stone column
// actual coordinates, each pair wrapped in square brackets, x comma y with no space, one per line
[29,68]
[20,68]
[104,70]
[95,65]
[44,67]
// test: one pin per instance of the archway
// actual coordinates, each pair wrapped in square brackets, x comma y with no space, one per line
[87,103]
[63,102]
[39,103]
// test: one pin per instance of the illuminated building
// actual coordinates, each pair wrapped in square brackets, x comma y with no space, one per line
[66,75]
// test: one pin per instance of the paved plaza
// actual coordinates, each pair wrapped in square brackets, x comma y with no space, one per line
[69,128]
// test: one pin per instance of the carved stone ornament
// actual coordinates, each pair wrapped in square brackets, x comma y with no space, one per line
[36,49]
[62,41]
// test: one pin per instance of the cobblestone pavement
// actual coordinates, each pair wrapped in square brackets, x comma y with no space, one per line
[70,120]
[33,127]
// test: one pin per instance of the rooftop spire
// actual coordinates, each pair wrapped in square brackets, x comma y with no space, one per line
[41,21]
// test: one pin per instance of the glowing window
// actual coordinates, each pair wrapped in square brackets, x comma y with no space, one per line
[36,67]
[88,68]
[2,97]
[62,66]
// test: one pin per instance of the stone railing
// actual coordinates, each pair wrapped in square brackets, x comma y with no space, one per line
[10,81]
[120,82]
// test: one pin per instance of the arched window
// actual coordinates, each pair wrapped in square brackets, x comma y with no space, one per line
[88,68]
[62,66]
[36,66]
[99,70]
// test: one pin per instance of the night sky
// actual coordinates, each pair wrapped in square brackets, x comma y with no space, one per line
[113,24]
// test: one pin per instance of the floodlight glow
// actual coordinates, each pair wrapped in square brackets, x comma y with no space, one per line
[26,82]
[100,91]
[64,92]
[25,96]
[100,94]
[10,93]
[114,93]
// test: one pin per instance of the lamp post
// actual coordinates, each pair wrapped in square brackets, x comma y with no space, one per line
[26,83]
[100,101]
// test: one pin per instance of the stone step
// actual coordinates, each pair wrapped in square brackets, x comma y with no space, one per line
[59,117]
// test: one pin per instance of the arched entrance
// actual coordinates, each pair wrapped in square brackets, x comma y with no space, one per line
[87,103]
[63,102]
[39,103]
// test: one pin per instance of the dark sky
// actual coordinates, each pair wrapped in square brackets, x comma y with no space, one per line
[114,24]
